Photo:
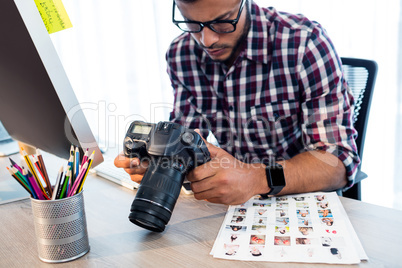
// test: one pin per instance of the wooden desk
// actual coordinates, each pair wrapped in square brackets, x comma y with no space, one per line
[187,240]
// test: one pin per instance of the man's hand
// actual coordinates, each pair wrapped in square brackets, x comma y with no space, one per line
[132,166]
[226,180]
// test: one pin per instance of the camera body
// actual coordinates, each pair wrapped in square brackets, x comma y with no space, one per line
[171,151]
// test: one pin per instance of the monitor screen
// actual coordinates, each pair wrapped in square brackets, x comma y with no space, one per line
[37,103]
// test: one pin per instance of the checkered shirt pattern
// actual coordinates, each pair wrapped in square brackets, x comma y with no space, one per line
[284,94]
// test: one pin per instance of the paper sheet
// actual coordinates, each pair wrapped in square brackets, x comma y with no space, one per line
[311,227]
[54,15]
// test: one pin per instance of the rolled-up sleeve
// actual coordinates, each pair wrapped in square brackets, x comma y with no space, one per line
[327,103]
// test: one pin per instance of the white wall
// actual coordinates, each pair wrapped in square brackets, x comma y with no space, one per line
[114,57]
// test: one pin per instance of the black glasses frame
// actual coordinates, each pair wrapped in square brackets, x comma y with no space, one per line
[208,23]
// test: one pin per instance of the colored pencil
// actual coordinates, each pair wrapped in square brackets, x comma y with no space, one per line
[57,187]
[65,183]
[22,183]
[76,162]
[44,171]
[39,169]
[35,186]
[32,169]
[72,150]
[90,160]
[78,180]
[19,175]
[15,165]
[25,175]
[85,157]
[68,183]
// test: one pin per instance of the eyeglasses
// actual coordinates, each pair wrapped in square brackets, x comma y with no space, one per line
[218,26]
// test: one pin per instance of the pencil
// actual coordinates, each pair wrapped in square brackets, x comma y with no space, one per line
[72,150]
[20,181]
[85,157]
[38,167]
[65,183]
[14,164]
[35,186]
[34,182]
[32,169]
[44,171]
[90,160]
[25,175]
[72,160]
[74,187]
[19,175]
[76,163]
[57,187]
[70,167]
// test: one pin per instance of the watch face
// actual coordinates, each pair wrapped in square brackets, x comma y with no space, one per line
[277,176]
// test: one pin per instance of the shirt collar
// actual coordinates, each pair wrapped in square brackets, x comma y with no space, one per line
[258,39]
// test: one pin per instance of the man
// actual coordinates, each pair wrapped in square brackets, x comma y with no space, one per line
[269,86]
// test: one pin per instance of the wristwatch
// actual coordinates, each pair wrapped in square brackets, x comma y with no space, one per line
[275,178]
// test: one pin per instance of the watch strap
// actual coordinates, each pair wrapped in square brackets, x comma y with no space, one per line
[275,179]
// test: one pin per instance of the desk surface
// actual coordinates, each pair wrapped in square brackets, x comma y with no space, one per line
[187,240]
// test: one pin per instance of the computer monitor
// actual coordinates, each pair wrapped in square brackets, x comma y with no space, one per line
[37,103]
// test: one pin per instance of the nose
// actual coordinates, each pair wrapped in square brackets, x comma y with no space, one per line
[208,37]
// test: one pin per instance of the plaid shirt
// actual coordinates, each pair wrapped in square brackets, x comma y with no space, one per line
[284,94]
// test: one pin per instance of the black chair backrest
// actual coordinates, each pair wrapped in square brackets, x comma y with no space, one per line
[361,75]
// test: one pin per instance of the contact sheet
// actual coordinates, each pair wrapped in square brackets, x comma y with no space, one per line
[311,227]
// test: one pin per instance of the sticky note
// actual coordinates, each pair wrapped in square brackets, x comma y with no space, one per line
[54,15]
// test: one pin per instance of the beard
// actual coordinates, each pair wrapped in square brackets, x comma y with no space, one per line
[239,42]
[238,45]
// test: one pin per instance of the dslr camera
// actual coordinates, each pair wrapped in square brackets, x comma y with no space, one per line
[172,151]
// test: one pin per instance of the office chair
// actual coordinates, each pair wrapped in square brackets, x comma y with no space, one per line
[361,75]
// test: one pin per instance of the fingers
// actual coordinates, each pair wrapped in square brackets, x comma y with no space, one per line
[132,166]
[121,161]
[213,195]
[213,150]
[137,168]
[202,172]
[136,177]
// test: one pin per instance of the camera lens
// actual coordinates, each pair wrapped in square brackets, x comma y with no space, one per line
[157,195]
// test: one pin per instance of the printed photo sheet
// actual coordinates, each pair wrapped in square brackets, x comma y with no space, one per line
[311,227]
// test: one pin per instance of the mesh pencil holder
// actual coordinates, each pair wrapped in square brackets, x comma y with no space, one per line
[60,228]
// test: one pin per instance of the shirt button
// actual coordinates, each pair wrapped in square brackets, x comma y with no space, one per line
[231,108]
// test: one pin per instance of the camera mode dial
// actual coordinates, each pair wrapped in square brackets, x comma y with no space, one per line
[187,138]
[129,143]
